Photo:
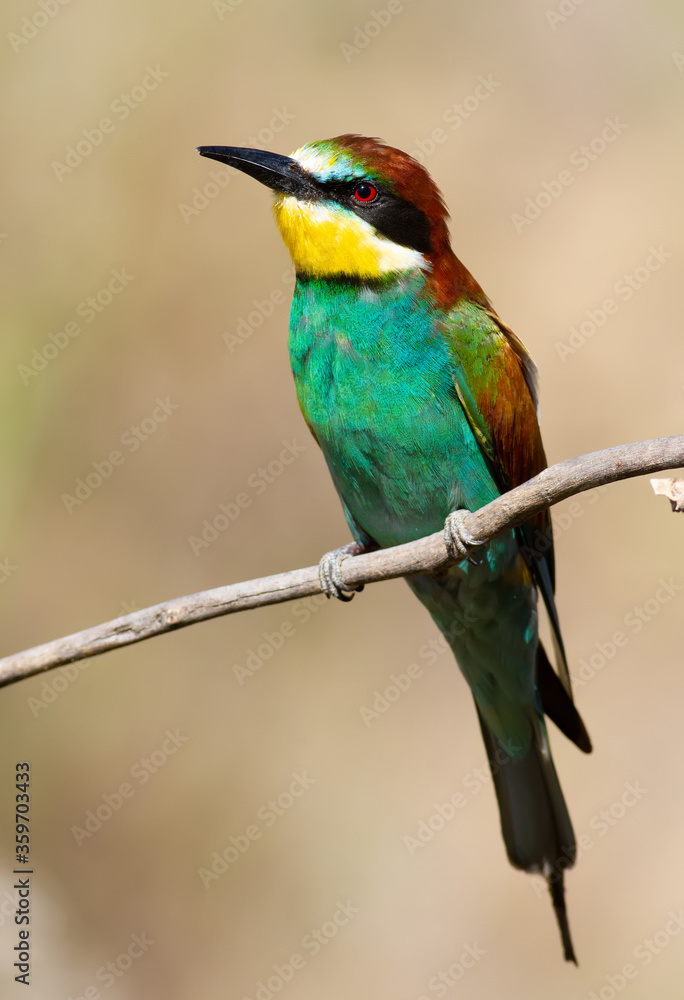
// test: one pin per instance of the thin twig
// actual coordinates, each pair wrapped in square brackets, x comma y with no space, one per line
[425,555]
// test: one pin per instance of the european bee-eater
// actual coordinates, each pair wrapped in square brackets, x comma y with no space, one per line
[423,403]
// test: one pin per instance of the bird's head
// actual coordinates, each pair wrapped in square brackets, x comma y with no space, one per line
[354,207]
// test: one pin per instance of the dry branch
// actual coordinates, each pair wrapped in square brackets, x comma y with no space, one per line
[422,556]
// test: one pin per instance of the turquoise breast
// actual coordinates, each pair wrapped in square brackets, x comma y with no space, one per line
[375,382]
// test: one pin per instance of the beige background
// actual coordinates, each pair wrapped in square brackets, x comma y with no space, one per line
[228,72]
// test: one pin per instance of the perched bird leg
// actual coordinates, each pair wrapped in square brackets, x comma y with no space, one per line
[330,572]
[458,540]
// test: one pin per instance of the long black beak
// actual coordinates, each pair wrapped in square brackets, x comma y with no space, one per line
[281,173]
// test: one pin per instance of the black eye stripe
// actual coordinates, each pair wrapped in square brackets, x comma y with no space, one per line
[393,217]
[399,221]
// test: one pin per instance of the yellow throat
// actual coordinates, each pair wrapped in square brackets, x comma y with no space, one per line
[326,239]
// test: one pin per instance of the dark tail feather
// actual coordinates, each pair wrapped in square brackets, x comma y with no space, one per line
[558,704]
[535,823]
[557,890]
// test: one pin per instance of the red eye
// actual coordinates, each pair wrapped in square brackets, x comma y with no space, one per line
[365,192]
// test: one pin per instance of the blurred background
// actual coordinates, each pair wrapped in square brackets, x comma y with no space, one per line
[145,385]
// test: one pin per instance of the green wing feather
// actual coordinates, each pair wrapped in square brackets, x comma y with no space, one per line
[496,382]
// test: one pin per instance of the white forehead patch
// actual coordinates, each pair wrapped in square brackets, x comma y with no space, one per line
[325,164]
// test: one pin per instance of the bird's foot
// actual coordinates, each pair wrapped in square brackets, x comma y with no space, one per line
[330,572]
[458,540]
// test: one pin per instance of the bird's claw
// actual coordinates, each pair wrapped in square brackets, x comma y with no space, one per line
[330,573]
[458,540]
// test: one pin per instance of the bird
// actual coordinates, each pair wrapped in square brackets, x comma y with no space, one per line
[424,404]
